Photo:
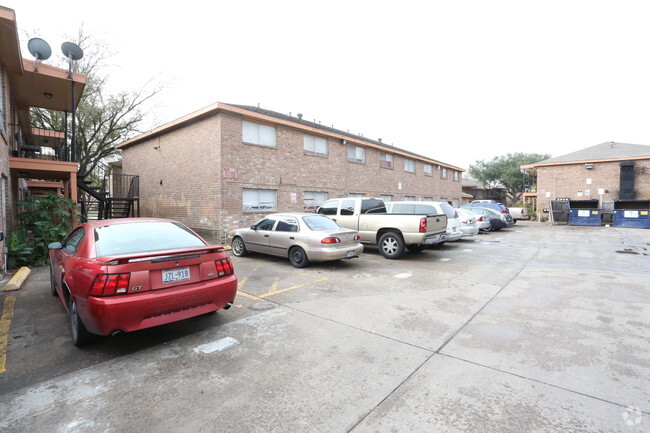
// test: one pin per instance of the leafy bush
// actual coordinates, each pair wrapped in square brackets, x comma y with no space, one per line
[43,220]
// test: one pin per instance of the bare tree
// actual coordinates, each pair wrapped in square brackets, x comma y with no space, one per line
[103,120]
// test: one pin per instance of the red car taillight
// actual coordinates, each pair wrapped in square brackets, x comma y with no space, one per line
[330,240]
[479,219]
[423,225]
[503,211]
[110,284]
[357,237]
[224,267]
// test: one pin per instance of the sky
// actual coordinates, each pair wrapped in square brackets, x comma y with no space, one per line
[456,81]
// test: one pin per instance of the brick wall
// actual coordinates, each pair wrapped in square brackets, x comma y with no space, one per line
[7,143]
[564,181]
[287,169]
[187,162]
[205,167]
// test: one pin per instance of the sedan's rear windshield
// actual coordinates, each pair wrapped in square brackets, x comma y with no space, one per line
[143,237]
[318,222]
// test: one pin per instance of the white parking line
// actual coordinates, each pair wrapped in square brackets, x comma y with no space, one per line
[405,275]
[215,346]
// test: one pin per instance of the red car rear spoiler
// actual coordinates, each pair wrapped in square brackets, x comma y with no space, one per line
[161,256]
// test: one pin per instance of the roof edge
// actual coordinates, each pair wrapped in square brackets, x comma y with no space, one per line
[584,161]
[221,106]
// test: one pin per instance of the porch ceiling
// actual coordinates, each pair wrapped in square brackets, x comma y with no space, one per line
[33,85]
[42,169]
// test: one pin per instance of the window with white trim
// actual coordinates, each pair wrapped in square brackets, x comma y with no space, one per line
[428,169]
[315,145]
[409,198]
[386,197]
[356,194]
[356,154]
[427,199]
[409,165]
[260,199]
[443,173]
[313,199]
[455,176]
[256,133]
[385,160]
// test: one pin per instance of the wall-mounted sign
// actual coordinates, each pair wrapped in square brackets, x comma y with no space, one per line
[230,173]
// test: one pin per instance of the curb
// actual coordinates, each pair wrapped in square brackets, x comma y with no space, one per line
[17,280]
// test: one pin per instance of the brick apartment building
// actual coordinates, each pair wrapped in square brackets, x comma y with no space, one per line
[226,166]
[620,171]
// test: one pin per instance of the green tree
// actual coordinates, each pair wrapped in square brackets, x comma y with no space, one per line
[505,172]
[103,120]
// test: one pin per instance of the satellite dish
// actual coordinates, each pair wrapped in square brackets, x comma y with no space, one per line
[40,49]
[72,51]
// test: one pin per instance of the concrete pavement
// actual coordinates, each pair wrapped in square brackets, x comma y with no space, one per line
[532,329]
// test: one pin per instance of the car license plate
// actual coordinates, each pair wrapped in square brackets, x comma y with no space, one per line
[350,254]
[175,275]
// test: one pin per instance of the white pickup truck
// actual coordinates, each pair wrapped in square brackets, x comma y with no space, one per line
[392,233]
[518,213]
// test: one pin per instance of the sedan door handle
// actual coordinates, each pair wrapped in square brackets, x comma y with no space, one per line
[292,238]
[266,236]
[334,219]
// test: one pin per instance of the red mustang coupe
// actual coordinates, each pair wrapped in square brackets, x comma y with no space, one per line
[127,274]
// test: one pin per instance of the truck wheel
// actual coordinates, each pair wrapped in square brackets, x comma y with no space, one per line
[416,248]
[391,245]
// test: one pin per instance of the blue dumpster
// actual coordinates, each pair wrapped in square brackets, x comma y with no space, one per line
[632,213]
[584,213]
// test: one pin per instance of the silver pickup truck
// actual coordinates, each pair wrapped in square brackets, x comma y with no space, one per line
[392,233]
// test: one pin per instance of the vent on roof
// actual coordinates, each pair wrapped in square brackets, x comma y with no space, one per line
[299,115]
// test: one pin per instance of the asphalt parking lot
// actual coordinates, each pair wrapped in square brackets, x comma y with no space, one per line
[536,328]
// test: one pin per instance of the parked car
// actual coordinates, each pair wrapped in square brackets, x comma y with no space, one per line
[496,206]
[498,220]
[122,275]
[453,232]
[302,237]
[518,213]
[391,233]
[482,218]
[467,222]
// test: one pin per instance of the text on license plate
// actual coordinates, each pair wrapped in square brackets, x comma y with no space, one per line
[175,275]
[350,254]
